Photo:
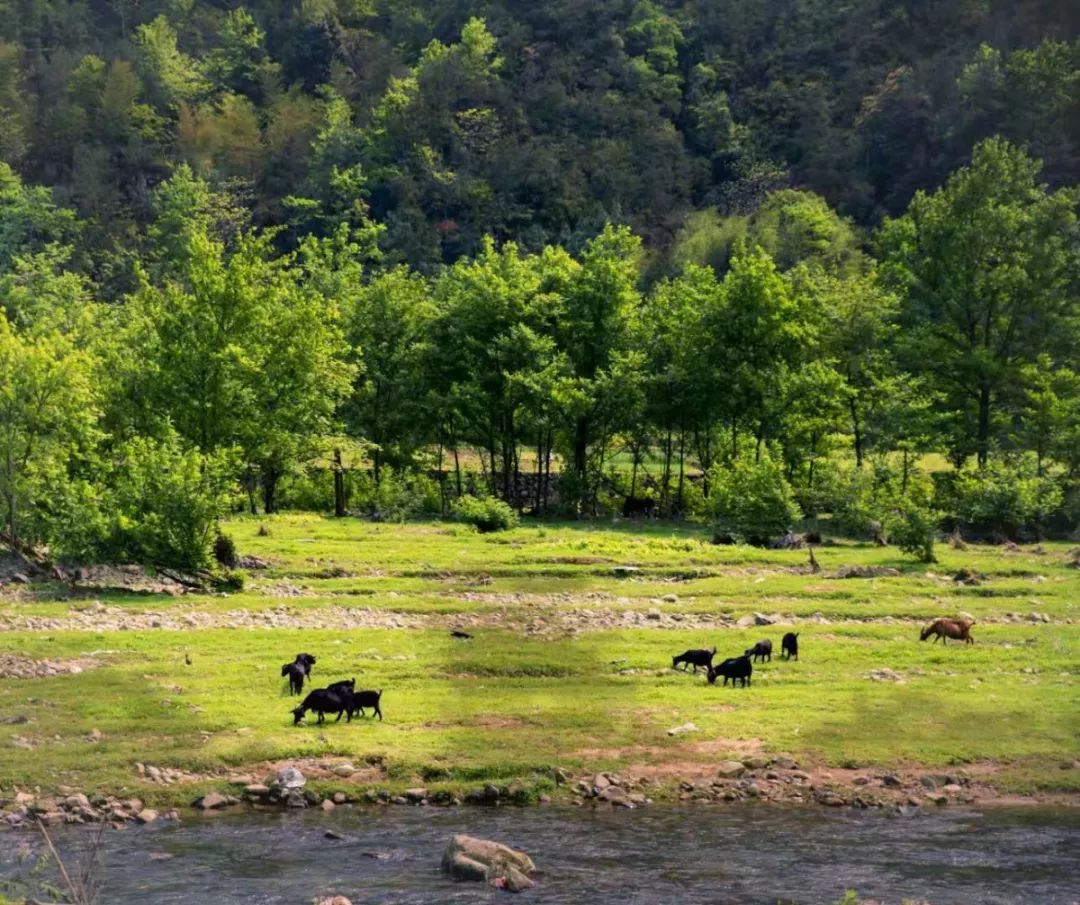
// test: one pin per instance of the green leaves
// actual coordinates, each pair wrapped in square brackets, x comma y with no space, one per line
[48,424]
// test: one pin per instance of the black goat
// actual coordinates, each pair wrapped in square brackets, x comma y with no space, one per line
[298,671]
[637,505]
[790,645]
[342,687]
[322,701]
[458,633]
[762,650]
[734,668]
[693,658]
[361,699]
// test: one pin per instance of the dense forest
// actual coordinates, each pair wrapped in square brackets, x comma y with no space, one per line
[318,254]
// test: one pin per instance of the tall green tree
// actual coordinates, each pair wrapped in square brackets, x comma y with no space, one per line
[986,267]
[48,421]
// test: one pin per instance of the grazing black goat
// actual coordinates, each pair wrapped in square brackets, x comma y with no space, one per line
[298,671]
[694,658]
[357,702]
[458,633]
[790,645]
[322,701]
[734,668]
[762,650]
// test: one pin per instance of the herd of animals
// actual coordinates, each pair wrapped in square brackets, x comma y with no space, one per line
[342,697]
[338,697]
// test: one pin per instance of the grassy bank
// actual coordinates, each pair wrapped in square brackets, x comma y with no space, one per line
[567,667]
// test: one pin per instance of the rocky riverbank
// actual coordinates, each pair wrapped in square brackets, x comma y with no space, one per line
[779,780]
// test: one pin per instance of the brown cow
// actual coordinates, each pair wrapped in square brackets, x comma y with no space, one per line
[958,629]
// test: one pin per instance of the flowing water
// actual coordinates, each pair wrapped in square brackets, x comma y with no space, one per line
[651,856]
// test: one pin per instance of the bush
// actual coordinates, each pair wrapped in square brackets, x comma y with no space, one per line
[1004,498]
[913,528]
[487,514]
[232,580]
[225,550]
[161,504]
[398,495]
[752,501]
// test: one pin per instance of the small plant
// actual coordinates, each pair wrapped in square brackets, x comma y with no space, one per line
[264,530]
[232,580]
[486,515]
[225,551]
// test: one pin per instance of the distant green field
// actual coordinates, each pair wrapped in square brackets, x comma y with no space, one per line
[570,664]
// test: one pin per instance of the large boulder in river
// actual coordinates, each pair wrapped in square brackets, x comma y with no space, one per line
[469,858]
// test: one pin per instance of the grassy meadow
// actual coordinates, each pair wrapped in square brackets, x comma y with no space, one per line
[569,665]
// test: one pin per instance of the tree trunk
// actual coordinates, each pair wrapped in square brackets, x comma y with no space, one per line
[457,470]
[581,447]
[270,482]
[377,463]
[537,496]
[682,470]
[856,430]
[984,424]
[339,485]
[665,487]
[547,469]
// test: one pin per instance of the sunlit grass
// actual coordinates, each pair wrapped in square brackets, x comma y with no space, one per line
[506,705]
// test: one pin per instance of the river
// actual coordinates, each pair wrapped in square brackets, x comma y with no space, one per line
[653,856]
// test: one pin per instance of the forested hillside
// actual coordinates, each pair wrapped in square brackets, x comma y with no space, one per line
[344,253]
[531,122]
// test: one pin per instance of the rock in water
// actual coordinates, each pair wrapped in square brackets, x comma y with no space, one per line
[469,858]
[210,801]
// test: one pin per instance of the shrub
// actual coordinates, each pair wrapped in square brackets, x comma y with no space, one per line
[232,580]
[752,500]
[225,550]
[913,528]
[487,514]
[163,503]
[398,495]
[1005,498]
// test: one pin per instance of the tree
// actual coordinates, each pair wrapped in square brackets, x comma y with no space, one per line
[985,267]
[764,330]
[30,220]
[241,348]
[386,326]
[600,299]
[170,74]
[48,413]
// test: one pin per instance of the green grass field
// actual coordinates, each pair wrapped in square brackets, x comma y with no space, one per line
[569,666]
